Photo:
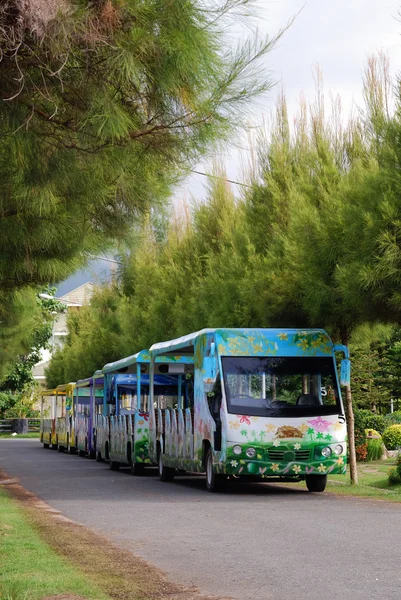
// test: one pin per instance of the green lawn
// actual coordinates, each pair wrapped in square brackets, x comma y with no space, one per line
[373,482]
[6,434]
[30,569]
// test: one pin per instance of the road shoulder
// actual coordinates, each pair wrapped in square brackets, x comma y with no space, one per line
[118,573]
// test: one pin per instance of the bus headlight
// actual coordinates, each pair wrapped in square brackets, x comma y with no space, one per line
[338,449]
[237,450]
[326,451]
[250,452]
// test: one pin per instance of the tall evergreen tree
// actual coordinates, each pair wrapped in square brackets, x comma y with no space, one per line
[103,106]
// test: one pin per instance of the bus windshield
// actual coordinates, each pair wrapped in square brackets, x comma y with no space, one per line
[281,386]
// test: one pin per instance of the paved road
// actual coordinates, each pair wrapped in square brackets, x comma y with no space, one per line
[257,542]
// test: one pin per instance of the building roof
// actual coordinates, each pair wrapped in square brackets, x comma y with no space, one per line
[79,296]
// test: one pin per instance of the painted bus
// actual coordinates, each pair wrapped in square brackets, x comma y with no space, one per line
[88,403]
[57,418]
[65,421]
[122,431]
[266,405]
[47,417]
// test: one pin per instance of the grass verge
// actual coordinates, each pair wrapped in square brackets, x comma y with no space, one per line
[50,555]
[30,569]
[6,434]
[373,482]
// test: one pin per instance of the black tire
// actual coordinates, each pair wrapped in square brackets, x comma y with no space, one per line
[165,473]
[81,453]
[60,448]
[316,483]
[114,465]
[129,455]
[72,450]
[214,482]
[137,468]
[92,454]
[99,457]
[46,446]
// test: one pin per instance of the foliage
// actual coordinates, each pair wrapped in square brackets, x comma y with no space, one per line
[361,452]
[7,401]
[374,421]
[19,405]
[373,433]
[394,417]
[104,105]
[394,474]
[392,437]
[374,449]
[20,316]
[23,408]
[36,335]
[361,446]
[370,376]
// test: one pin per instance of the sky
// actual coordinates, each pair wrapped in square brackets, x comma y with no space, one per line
[337,35]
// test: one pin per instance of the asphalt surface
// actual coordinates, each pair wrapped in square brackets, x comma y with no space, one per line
[256,541]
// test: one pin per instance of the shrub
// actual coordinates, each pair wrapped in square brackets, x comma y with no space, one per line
[361,447]
[394,417]
[372,433]
[377,422]
[392,437]
[7,402]
[375,449]
[393,476]
[398,465]
[361,452]
[364,413]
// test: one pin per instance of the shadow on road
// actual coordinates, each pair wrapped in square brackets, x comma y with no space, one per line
[59,476]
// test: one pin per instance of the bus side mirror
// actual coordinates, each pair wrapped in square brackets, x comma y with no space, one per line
[209,373]
[345,372]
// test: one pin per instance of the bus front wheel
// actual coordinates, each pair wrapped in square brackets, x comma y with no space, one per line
[316,483]
[214,482]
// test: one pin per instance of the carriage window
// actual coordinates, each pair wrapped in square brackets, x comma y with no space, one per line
[127,399]
[83,408]
[173,391]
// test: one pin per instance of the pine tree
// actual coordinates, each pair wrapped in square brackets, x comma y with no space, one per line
[103,107]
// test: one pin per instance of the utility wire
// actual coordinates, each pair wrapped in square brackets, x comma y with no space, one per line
[223,178]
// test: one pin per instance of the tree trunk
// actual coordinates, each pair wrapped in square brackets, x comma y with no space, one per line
[350,422]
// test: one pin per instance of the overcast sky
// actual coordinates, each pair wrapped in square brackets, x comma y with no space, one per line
[338,35]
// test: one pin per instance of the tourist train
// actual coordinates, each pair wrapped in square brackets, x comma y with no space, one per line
[260,404]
